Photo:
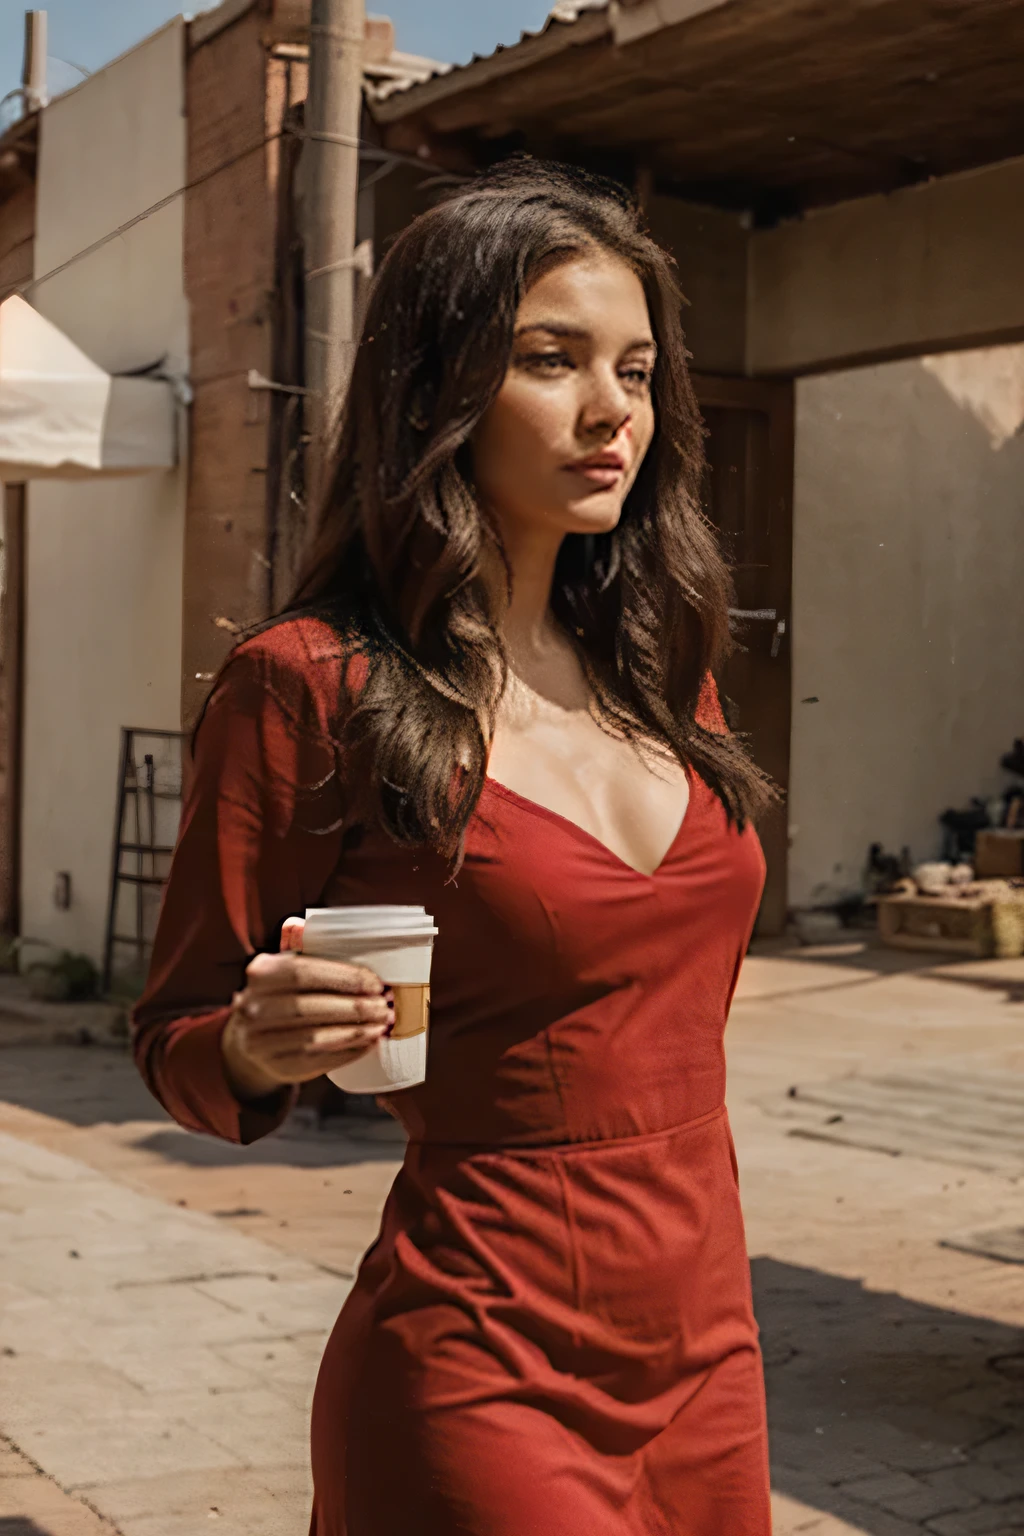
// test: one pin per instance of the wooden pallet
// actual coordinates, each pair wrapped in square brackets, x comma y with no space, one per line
[986,922]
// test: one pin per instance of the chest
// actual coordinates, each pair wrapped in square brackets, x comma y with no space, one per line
[631,802]
[542,910]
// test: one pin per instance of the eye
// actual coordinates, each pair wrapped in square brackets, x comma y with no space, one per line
[546,362]
[639,376]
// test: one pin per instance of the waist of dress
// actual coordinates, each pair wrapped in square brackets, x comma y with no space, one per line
[567,1147]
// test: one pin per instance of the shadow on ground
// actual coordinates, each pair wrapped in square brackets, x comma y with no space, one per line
[86,1086]
[884,1409]
[1011,989]
[861,960]
[21,1525]
[83,1085]
[850,951]
[294,1147]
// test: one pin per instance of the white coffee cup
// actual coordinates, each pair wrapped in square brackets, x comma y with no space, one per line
[398,944]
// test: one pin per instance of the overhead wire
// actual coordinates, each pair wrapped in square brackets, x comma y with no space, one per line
[387,158]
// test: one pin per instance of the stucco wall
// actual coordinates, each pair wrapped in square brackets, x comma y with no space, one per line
[104,560]
[908,619]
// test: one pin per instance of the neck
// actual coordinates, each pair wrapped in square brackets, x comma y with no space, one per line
[527,624]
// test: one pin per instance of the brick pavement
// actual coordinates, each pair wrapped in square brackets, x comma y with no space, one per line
[32,1503]
[157,1364]
[162,1383]
[895,1366]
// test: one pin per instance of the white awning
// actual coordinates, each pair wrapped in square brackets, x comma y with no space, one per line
[63,417]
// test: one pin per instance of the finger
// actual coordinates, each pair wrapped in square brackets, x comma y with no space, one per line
[292,934]
[290,972]
[317,1061]
[268,1050]
[324,1042]
[281,1010]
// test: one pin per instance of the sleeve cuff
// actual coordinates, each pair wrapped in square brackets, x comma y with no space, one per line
[192,1085]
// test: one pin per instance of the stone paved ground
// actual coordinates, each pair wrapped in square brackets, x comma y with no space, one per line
[154,1377]
[157,1364]
[895,1366]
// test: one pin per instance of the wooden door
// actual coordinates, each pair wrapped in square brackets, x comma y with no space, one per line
[749,497]
[12,623]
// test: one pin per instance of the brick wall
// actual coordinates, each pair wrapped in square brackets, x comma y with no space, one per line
[237,97]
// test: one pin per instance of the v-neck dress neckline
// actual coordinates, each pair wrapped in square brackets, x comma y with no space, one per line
[534,807]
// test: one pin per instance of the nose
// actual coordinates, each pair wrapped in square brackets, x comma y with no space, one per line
[606,408]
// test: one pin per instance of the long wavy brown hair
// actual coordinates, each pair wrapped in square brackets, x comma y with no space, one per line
[402,544]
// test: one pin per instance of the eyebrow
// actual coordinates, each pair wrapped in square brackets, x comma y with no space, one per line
[556,328]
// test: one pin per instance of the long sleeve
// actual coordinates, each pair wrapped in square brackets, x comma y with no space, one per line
[260,837]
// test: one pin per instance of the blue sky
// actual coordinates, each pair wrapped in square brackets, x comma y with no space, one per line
[89,33]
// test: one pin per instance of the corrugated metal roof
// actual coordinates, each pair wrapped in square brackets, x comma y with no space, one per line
[570,10]
[565,14]
[403,69]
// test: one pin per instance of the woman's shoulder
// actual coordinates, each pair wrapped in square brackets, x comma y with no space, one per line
[301,665]
[300,642]
[306,648]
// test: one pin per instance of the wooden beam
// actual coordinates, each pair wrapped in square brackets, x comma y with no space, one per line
[928,269]
[719,392]
[710,250]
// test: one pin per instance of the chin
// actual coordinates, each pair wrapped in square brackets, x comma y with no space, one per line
[593,514]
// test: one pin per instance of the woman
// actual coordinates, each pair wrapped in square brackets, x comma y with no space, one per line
[490,698]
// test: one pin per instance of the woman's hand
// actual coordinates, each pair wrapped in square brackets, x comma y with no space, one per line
[299,1017]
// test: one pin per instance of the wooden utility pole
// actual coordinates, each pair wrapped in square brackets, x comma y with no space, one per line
[33,75]
[333,121]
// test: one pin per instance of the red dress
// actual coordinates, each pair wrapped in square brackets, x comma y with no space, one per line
[553,1334]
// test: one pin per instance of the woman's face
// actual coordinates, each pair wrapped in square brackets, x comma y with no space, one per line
[561,446]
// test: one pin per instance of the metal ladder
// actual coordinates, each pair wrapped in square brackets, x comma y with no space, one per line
[144,834]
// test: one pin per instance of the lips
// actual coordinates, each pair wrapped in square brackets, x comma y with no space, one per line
[602,470]
[600,461]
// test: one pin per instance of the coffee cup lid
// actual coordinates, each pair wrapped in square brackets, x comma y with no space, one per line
[378,909]
[369,920]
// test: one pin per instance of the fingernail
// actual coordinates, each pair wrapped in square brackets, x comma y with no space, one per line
[251,1010]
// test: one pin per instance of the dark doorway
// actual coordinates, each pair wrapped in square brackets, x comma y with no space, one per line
[749,497]
[12,625]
